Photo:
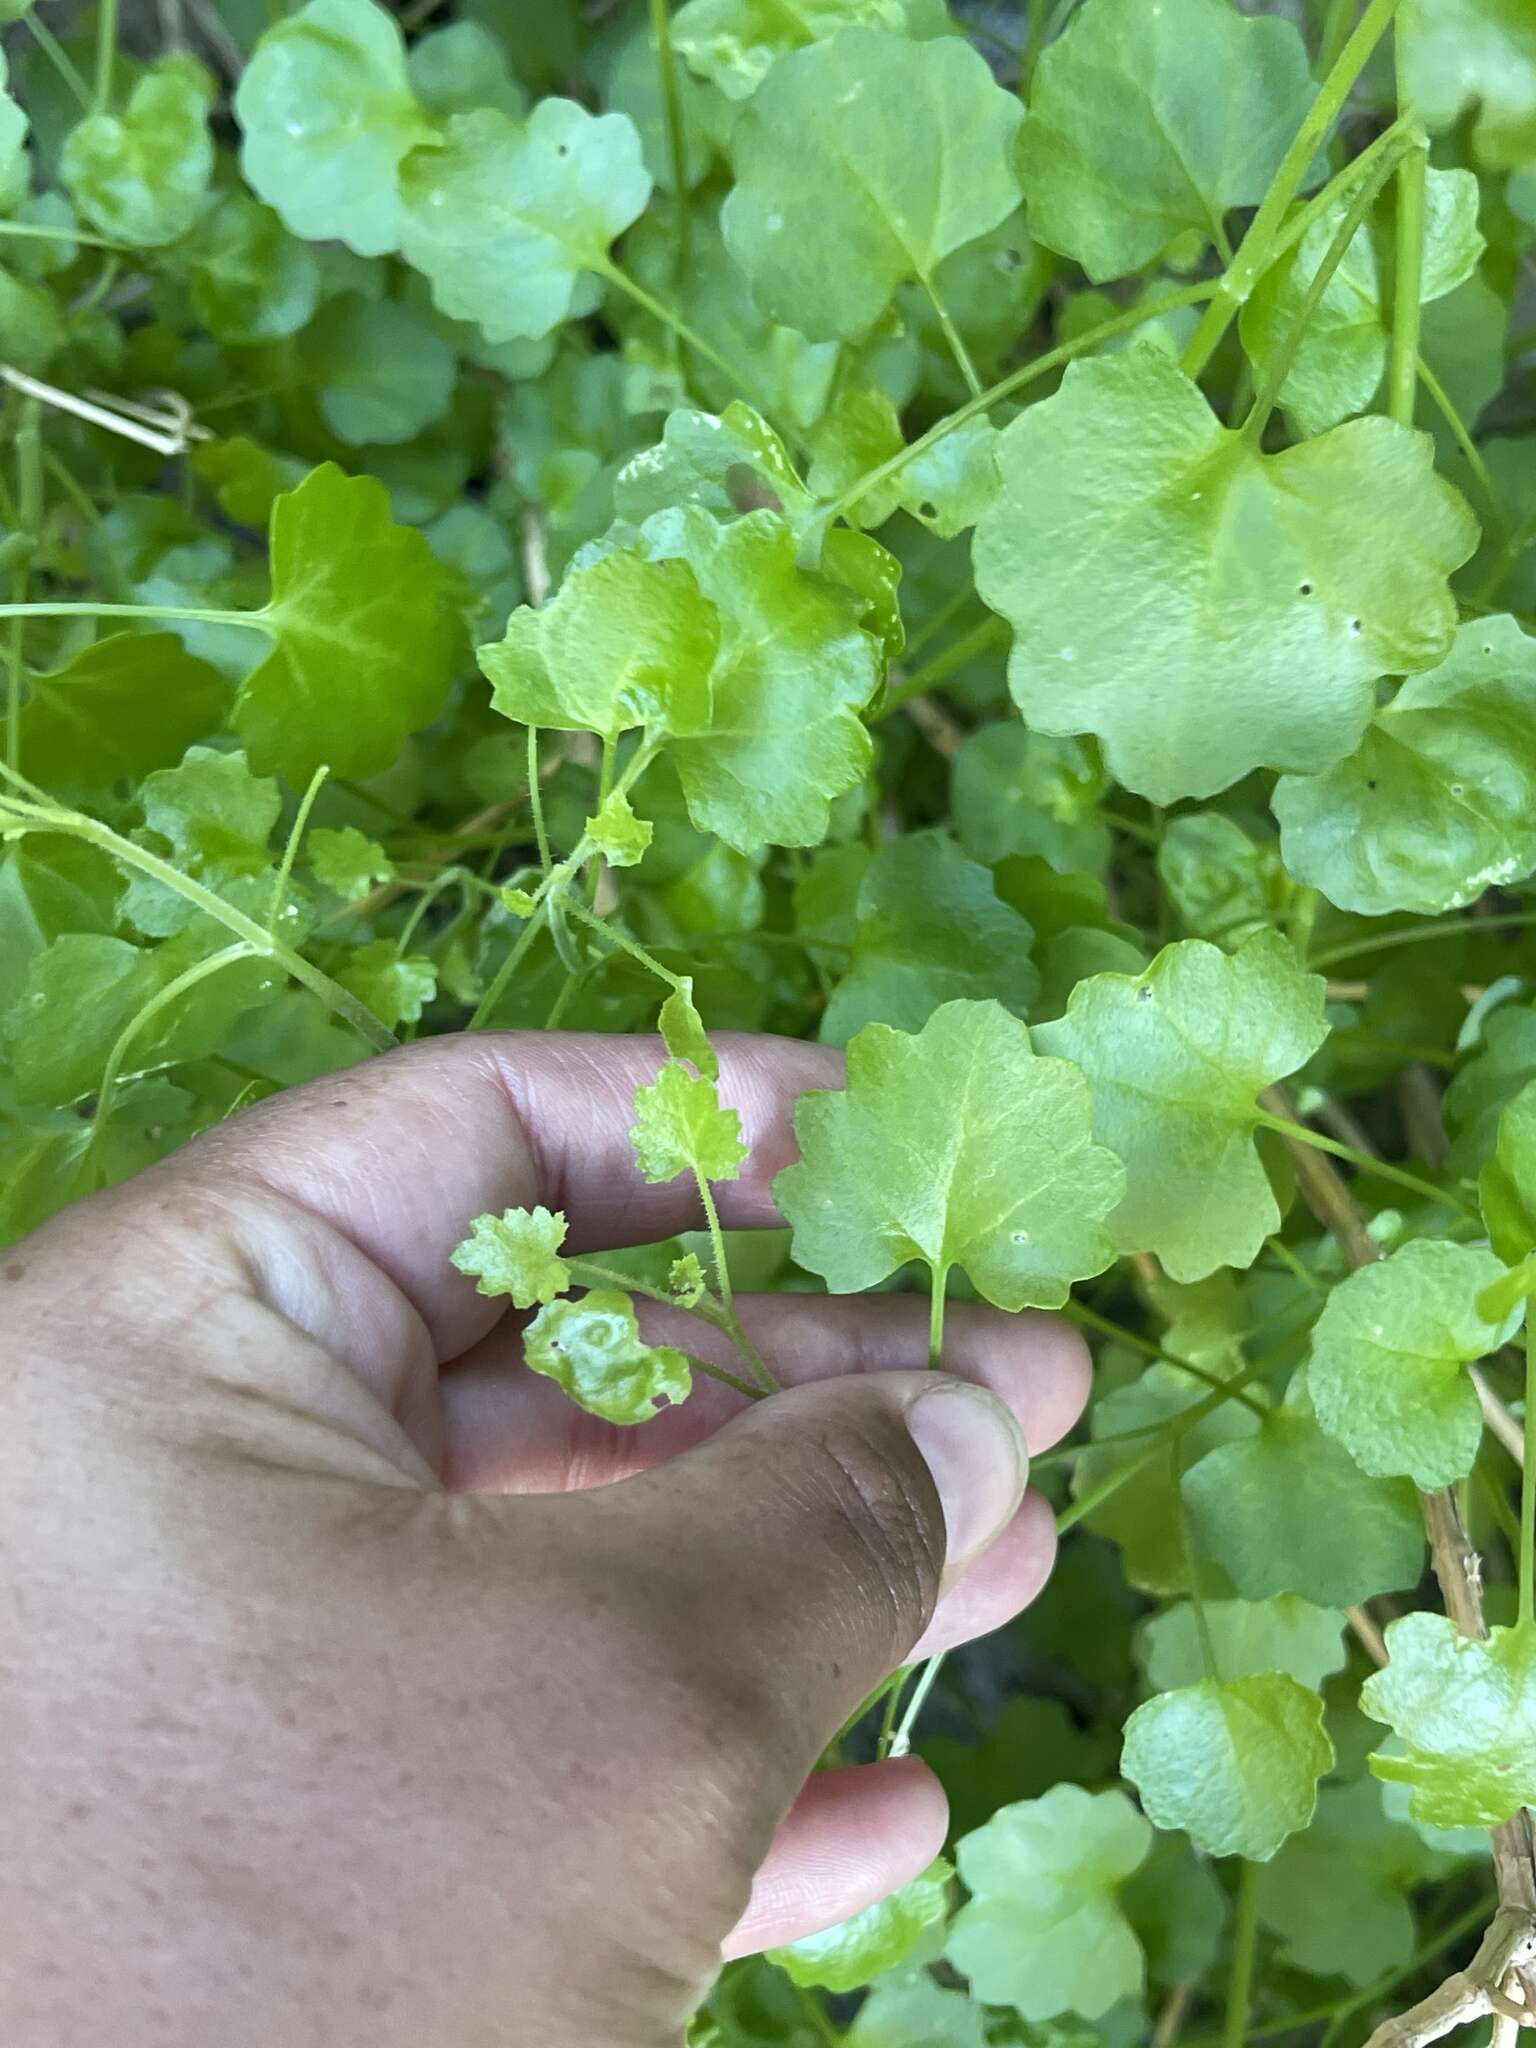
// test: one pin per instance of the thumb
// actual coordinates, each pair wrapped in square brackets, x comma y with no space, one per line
[827,1521]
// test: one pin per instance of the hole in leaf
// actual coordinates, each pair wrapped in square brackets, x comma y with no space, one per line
[928,510]
[1304,589]
[1143,995]
[1370,783]
[1354,625]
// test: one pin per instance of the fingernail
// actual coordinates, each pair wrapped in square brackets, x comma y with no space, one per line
[976,1455]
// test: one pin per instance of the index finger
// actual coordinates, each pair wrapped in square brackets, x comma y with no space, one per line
[400,1154]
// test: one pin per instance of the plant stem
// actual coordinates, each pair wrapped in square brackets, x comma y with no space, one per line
[1089,1318]
[1196,1597]
[675,323]
[536,800]
[938,1281]
[58,57]
[991,632]
[672,101]
[76,825]
[1281,366]
[716,1243]
[29,513]
[1527,1612]
[1440,928]
[199,971]
[254,620]
[953,336]
[604,787]
[1257,249]
[625,943]
[35,231]
[291,850]
[1122,323]
[1408,289]
[106,54]
[590,1274]
[1244,1942]
[1303,1134]
[1441,399]
[901,1741]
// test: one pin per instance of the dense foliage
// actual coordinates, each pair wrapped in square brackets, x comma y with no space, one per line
[1008,543]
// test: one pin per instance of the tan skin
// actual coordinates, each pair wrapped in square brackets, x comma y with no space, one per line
[358,1692]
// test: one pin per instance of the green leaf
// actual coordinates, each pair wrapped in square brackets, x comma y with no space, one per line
[911,2011]
[931,929]
[462,66]
[328,116]
[1014,791]
[506,217]
[1176,1058]
[593,1348]
[348,861]
[1045,1931]
[29,319]
[1250,1637]
[1507,1185]
[142,177]
[1342,357]
[625,642]
[796,665]
[380,371]
[1458,745]
[717,462]
[835,205]
[958,1146]
[680,1127]
[1387,1370]
[1467,1712]
[364,642]
[682,1031]
[1281,585]
[213,819]
[1289,1511]
[116,710]
[13,144]
[735,43]
[1234,1762]
[396,987]
[251,282]
[884,1935]
[1478,56]
[617,833]
[517,1253]
[1130,144]
[1224,885]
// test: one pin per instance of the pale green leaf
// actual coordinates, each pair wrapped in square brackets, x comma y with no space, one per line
[1250,1637]
[462,66]
[1044,1930]
[517,1253]
[1337,1895]
[1176,1058]
[379,370]
[1233,1762]
[735,43]
[835,204]
[592,1347]
[1281,585]
[1223,883]
[1466,1711]
[328,115]
[348,861]
[1507,1184]
[1476,56]
[142,176]
[13,144]
[960,1147]
[617,833]
[682,1031]
[396,987]
[251,281]
[883,1936]
[911,2011]
[1014,791]
[681,1127]
[507,217]
[1387,1374]
[1457,745]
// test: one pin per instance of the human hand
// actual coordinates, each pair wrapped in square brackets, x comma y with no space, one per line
[345,1698]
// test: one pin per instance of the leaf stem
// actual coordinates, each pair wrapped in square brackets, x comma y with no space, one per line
[901,1741]
[1441,399]
[1089,1318]
[991,632]
[1256,251]
[1408,288]
[672,102]
[953,336]
[92,610]
[536,800]
[29,513]
[291,850]
[1244,1943]
[674,321]
[1303,1134]
[716,1242]
[1439,928]
[58,57]
[199,971]
[1527,1612]
[625,943]
[29,817]
[938,1282]
[1017,380]
[36,231]
[106,55]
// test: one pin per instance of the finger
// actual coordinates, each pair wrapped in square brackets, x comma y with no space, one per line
[829,1518]
[998,1586]
[508,1430]
[397,1156]
[852,1837]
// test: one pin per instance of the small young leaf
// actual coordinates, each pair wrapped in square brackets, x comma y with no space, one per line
[348,861]
[617,833]
[1467,1712]
[735,43]
[685,1281]
[959,1147]
[396,989]
[1176,1058]
[1045,1931]
[142,177]
[835,205]
[1121,498]
[682,1031]
[1387,1371]
[1234,1762]
[681,1127]
[1458,745]
[883,1936]
[328,115]
[592,1347]
[517,1253]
